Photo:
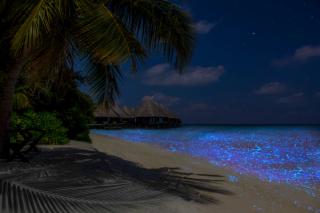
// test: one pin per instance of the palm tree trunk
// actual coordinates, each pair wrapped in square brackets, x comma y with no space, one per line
[6,104]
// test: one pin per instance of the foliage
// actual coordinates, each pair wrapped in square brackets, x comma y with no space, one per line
[21,101]
[47,37]
[77,116]
[60,94]
[73,108]
[55,133]
[55,33]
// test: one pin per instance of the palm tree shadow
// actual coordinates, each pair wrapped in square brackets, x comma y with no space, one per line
[189,186]
[75,180]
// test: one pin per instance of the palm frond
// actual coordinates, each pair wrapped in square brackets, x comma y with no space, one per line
[53,62]
[160,24]
[42,19]
[103,81]
[112,31]
[102,35]
[66,8]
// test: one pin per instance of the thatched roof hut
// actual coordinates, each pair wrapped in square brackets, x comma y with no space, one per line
[167,112]
[148,109]
[130,112]
[150,114]
[102,112]
[119,111]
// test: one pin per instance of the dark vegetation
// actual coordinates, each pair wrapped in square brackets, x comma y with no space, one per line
[55,106]
[41,40]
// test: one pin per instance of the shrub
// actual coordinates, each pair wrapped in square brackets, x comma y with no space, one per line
[63,99]
[76,116]
[55,133]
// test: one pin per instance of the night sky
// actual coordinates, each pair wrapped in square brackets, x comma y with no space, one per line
[256,62]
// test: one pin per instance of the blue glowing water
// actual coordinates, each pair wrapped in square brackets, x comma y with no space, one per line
[277,154]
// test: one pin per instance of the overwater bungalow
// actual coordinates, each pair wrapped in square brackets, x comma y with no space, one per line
[106,118]
[173,119]
[129,116]
[149,114]
[126,116]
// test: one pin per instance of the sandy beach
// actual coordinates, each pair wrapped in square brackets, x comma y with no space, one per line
[249,193]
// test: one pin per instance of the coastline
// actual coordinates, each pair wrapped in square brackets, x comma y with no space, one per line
[250,193]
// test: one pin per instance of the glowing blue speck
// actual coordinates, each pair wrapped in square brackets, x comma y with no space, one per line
[233,179]
[277,154]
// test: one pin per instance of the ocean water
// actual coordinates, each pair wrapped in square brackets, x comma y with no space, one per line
[282,154]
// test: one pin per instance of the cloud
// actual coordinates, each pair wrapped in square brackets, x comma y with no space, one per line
[292,99]
[157,70]
[163,99]
[302,54]
[203,26]
[272,88]
[165,75]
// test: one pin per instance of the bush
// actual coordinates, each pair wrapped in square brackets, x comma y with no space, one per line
[63,99]
[55,133]
[76,116]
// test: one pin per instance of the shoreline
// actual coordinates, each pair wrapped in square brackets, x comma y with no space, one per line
[250,193]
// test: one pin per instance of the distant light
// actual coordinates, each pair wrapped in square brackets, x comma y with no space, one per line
[233,179]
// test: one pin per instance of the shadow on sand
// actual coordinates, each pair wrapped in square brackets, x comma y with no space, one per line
[74,180]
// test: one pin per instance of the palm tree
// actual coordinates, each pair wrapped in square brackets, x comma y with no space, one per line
[48,35]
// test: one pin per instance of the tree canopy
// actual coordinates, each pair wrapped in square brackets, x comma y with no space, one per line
[53,33]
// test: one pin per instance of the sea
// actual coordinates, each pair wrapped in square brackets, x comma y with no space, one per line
[281,154]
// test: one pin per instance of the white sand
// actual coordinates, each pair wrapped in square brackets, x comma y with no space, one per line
[251,194]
